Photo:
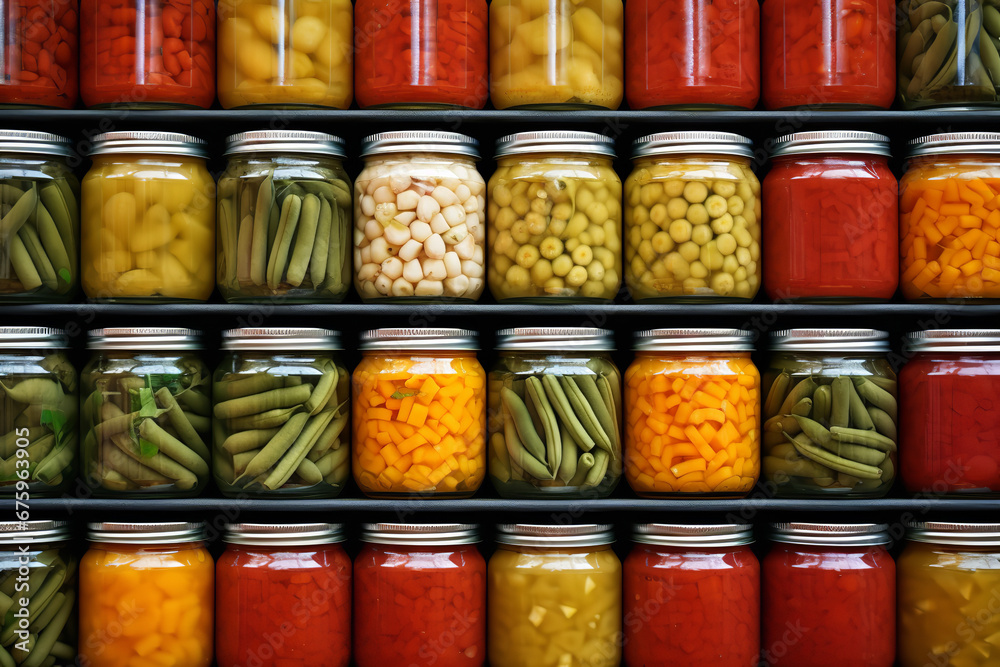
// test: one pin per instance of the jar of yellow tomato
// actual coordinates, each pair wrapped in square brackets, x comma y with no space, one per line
[692,413]
[146,595]
[419,415]
[148,221]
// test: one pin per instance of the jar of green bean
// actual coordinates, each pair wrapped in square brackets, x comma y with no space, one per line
[831,414]
[146,413]
[281,413]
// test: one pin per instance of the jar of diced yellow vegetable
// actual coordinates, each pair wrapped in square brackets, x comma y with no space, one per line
[555,218]
[148,221]
[554,597]
[419,414]
[692,218]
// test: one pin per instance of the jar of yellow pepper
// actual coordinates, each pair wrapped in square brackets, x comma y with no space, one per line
[419,416]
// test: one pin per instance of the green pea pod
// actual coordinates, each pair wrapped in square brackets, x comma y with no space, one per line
[519,454]
[840,404]
[337,260]
[305,240]
[776,394]
[875,395]
[291,210]
[321,248]
[822,402]
[173,448]
[567,416]
[800,467]
[803,389]
[884,424]
[567,468]
[286,397]
[592,394]
[803,408]
[274,450]
[813,430]
[838,463]
[863,437]
[550,424]
[518,412]
[859,413]
[259,242]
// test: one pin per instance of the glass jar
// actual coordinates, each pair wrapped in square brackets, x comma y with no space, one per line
[692,414]
[298,175]
[555,218]
[555,414]
[830,414]
[949,212]
[290,582]
[280,414]
[40,231]
[38,65]
[283,55]
[700,55]
[419,596]
[692,596]
[146,413]
[38,412]
[147,54]
[151,237]
[419,218]
[439,54]
[146,595]
[692,218]
[419,421]
[828,53]
[554,596]
[949,582]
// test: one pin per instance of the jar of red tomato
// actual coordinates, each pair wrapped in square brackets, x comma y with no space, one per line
[697,54]
[283,596]
[692,596]
[38,61]
[837,53]
[829,596]
[147,53]
[419,596]
[831,218]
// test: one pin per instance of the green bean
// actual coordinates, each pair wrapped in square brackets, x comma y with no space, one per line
[264,420]
[559,400]
[857,453]
[804,389]
[803,408]
[863,437]
[884,424]
[320,395]
[59,210]
[62,368]
[195,401]
[583,467]
[309,473]
[54,247]
[519,454]
[275,448]
[181,422]
[222,467]
[47,638]
[288,464]
[822,401]
[585,413]
[182,477]
[242,460]
[859,413]
[8,443]
[243,441]
[527,435]
[499,461]
[600,468]
[259,243]
[321,248]
[226,263]
[277,262]
[875,395]
[37,450]
[305,240]
[611,403]
[244,250]
[592,395]
[174,448]
[133,472]
[840,404]
[39,259]
[59,460]
[550,425]
[246,386]
[782,424]
[286,397]
[838,463]
[24,268]
[813,430]
[329,437]
[334,466]
[567,469]
[6,660]
[41,595]
[39,621]
[776,394]
[19,213]
[337,262]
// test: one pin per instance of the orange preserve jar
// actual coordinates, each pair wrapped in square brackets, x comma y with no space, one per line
[146,595]
[38,61]
[419,413]
[692,413]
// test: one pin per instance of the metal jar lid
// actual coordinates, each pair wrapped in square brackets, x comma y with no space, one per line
[831,534]
[954,340]
[692,142]
[419,339]
[157,143]
[956,143]
[33,338]
[558,339]
[420,141]
[420,534]
[693,340]
[144,338]
[285,142]
[958,534]
[555,141]
[830,340]
[281,339]
[689,535]
[174,532]
[538,535]
[284,535]
[24,532]
[831,141]
[35,143]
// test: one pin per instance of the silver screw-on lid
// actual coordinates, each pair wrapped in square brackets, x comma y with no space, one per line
[280,339]
[693,340]
[420,141]
[420,534]
[955,143]
[692,535]
[954,340]
[583,339]
[831,340]
[830,534]
[284,535]
[692,142]
[419,339]
[174,532]
[157,143]
[958,534]
[144,338]
[34,143]
[286,141]
[831,141]
[33,338]
[555,141]
[539,535]
[26,532]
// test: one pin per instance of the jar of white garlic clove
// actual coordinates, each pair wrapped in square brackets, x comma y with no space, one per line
[419,218]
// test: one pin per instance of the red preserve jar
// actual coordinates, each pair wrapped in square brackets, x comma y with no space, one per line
[147,53]
[419,596]
[283,597]
[831,227]
[692,596]
[829,596]
[39,53]
[700,53]
[828,52]
[421,53]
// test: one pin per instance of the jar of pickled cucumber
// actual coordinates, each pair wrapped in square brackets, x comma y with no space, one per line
[555,414]
[692,218]
[40,228]
[38,412]
[148,219]
[554,597]
[146,413]
[830,414]
[283,217]
[280,414]
[555,218]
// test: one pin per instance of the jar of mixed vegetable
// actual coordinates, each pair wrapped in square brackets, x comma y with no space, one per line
[39,59]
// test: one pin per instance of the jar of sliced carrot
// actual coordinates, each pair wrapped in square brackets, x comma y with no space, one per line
[692,413]
[419,413]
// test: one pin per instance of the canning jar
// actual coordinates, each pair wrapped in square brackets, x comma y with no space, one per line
[555,413]
[38,64]
[692,413]
[40,231]
[146,413]
[280,414]
[419,423]
[692,218]
[147,53]
[148,219]
[419,596]
[554,596]
[949,582]
[279,55]
[146,595]
[438,54]
[419,218]
[828,53]
[694,55]
[291,177]
[283,596]
[555,218]
[692,596]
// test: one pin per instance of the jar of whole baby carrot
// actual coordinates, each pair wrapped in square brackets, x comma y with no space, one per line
[419,419]
[692,413]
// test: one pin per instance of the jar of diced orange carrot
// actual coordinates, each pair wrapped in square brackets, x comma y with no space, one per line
[419,413]
[692,409]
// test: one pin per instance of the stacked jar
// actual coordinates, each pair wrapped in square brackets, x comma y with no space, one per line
[38,65]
